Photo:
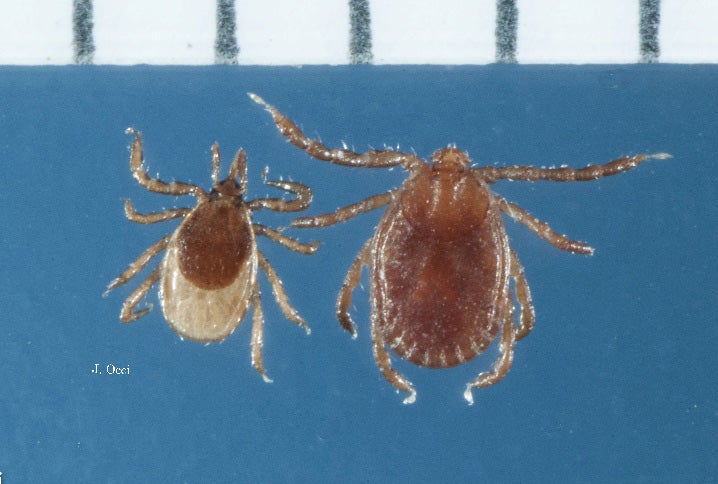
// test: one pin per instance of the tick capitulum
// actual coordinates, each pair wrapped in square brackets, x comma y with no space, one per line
[208,276]
[440,263]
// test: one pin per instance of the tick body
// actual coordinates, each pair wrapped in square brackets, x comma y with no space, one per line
[440,264]
[208,275]
[209,272]
[439,269]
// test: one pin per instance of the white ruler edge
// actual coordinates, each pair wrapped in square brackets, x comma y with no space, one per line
[126,32]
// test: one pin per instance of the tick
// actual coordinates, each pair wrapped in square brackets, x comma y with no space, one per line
[440,263]
[208,276]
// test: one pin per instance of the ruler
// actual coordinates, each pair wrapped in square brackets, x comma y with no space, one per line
[297,32]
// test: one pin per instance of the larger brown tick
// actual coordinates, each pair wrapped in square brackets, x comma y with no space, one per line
[440,261]
[208,277]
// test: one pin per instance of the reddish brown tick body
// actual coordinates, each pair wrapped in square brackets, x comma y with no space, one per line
[437,243]
[439,262]
[208,276]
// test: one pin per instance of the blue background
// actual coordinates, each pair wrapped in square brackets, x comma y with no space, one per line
[617,381]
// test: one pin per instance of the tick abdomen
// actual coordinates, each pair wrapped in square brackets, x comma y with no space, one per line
[209,271]
[440,275]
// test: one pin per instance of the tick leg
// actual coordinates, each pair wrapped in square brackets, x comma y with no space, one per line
[315,148]
[302,202]
[542,229]
[345,213]
[523,294]
[128,313]
[565,174]
[154,184]
[138,264]
[289,312]
[288,242]
[502,364]
[383,361]
[258,334]
[154,217]
[351,281]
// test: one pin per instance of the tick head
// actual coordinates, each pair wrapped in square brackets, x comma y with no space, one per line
[449,159]
[235,184]
[229,187]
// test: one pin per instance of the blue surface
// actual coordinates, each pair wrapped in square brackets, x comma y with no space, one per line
[616,383]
